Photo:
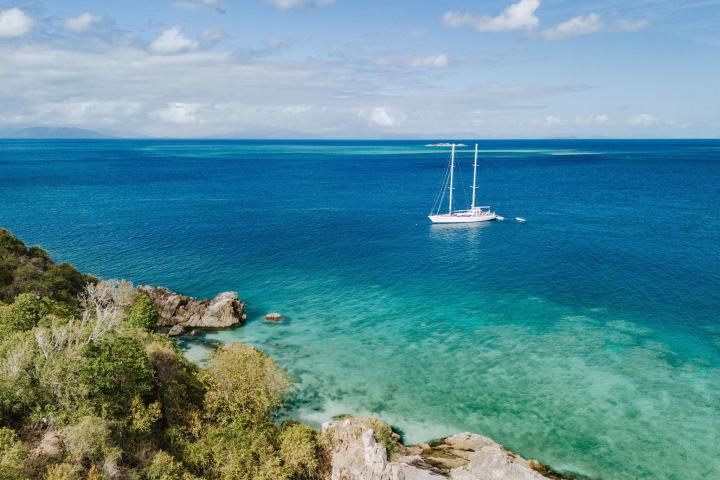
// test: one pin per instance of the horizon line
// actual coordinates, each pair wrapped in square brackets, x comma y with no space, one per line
[371,139]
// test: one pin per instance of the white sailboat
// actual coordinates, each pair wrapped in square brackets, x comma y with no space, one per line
[474,214]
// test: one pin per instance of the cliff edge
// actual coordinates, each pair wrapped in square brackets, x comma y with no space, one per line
[366,449]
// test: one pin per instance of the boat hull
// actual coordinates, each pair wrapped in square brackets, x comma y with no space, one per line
[461,218]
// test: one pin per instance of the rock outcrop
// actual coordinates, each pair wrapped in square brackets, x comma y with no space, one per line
[179,312]
[356,454]
[274,317]
[50,445]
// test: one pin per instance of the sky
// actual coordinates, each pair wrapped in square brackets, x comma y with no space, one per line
[363,68]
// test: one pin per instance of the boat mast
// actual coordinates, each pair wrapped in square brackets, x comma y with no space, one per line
[452,171]
[472,207]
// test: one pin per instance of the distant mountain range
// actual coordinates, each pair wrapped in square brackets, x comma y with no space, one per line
[51,132]
[250,134]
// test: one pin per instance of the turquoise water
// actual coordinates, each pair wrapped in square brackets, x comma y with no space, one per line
[587,337]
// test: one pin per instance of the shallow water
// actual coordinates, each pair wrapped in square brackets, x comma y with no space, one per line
[587,337]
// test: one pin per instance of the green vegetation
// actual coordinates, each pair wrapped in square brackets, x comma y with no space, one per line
[143,313]
[31,270]
[383,434]
[115,371]
[89,391]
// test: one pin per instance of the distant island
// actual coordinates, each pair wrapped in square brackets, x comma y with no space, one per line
[51,133]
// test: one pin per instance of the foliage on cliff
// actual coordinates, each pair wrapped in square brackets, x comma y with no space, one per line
[31,270]
[143,314]
[89,392]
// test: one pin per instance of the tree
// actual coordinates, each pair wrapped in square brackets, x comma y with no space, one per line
[13,454]
[300,450]
[165,467]
[116,369]
[19,389]
[89,440]
[31,270]
[88,391]
[25,312]
[143,313]
[244,383]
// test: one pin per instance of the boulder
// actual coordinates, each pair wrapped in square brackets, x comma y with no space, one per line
[274,317]
[357,455]
[180,312]
[50,445]
[176,330]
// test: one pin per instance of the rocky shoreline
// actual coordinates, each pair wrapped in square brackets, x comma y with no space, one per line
[362,449]
[366,449]
[180,313]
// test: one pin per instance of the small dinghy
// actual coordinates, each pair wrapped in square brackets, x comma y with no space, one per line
[499,218]
[520,219]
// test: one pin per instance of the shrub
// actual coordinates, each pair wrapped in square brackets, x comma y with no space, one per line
[300,451]
[25,312]
[63,283]
[143,418]
[383,434]
[243,383]
[239,452]
[119,396]
[64,471]
[165,467]
[143,313]
[24,270]
[89,441]
[179,388]
[19,389]
[12,455]
[115,370]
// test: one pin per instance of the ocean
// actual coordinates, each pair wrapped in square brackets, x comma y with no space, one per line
[587,338]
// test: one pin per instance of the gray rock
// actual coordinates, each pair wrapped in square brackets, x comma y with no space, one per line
[51,445]
[176,330]
[356,455]
[274,317]
[223,311]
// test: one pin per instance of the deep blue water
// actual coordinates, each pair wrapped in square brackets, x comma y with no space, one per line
[588,337]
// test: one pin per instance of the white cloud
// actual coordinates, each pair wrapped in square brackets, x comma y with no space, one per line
[93,111]
[516,16]
[630,25]
[211,35]
[580,25]
[218,5]
[296,109]
[125,89]
[289,4]
[553,121]
[180,113]
[431,61]
[643,120]
[172,41]
[382,117]
[14,23]
[592,119]
[82,23]
[592,23]
[425,62]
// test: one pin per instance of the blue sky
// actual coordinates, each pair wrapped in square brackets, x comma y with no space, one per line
[370,69]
